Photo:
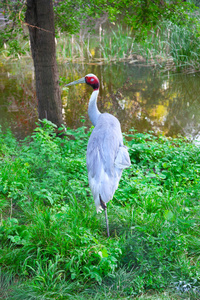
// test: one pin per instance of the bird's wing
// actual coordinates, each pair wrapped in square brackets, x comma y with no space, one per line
[102,150]
[103,145]
[106,158]
[122,160]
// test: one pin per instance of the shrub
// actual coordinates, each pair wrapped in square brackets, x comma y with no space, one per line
[52,238]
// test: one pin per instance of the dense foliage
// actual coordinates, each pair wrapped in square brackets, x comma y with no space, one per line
[161,33]
[145,15]
[53,245]
[141,15]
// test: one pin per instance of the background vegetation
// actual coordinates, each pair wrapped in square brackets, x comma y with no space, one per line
[160,33]
[52,243]
[54,246]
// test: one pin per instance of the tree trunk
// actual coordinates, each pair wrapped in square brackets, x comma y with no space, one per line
[40,21]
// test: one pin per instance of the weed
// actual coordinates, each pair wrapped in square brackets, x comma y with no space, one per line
[172,46]
[52,238]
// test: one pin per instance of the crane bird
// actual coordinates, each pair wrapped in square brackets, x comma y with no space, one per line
[106,154]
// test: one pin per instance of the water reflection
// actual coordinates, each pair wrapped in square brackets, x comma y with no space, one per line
[138,96]
[18,105]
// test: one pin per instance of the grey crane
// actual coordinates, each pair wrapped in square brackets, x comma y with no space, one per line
[106,154]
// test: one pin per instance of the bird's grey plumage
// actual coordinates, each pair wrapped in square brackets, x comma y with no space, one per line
[106,158]
[106,154]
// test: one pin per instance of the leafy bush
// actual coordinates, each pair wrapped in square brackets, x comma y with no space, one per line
[52,238]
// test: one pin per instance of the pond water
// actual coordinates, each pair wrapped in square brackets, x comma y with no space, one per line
[139,96]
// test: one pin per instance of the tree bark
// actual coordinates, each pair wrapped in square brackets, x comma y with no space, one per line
[40,20]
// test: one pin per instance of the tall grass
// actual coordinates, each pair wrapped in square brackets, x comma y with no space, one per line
[176,46]
[54,246]
[169,45]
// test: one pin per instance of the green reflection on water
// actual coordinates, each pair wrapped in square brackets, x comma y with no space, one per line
[138,96]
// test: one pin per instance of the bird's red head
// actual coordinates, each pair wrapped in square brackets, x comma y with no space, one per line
[93,81]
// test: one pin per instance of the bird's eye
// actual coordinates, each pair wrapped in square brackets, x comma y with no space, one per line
[92,79]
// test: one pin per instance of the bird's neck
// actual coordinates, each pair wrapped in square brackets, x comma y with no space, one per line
[93,111]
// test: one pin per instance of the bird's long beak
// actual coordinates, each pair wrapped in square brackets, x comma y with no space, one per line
[82,80]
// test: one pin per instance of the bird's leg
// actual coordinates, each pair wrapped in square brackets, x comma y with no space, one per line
[103,205]
[106,215]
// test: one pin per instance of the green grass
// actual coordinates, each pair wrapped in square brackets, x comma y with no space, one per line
[169,46]
[53,245]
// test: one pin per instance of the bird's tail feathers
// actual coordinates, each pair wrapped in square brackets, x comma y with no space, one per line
[102,203]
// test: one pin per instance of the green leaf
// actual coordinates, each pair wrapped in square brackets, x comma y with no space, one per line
[169,215]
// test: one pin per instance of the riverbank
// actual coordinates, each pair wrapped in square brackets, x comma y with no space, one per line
[171,47]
